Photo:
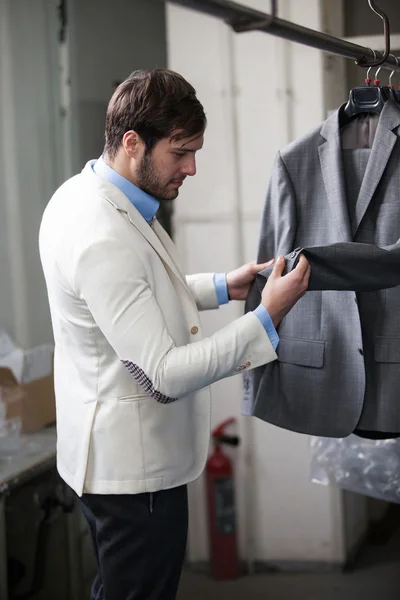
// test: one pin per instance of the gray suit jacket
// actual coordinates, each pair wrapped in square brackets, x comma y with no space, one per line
[338,365]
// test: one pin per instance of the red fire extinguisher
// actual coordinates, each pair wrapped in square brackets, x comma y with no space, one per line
[221,507]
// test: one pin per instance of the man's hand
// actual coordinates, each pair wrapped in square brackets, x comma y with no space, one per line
[280,294]
[240,280]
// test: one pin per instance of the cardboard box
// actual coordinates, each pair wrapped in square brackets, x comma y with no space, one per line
[33,401]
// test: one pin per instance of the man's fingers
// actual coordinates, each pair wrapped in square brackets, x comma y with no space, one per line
[257,268]
[302,266]
[279,267]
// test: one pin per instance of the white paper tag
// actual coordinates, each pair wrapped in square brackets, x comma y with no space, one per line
[248,396]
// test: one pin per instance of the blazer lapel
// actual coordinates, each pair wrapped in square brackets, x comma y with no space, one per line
[120,202]
[149,233]
[168,245]
[381,150]
[330,156]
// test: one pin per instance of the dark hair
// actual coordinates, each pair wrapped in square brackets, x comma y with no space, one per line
[155,103]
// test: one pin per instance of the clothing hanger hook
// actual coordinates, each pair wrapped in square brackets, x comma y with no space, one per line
[363,62]
[368,80]
[376,80]
[392,73]
[398,58]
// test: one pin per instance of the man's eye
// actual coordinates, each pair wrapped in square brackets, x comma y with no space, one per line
[180,154]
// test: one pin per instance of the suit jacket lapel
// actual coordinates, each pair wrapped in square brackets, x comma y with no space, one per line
[168,245]
[382,148]
[120,202]
[330,156]
[156,242]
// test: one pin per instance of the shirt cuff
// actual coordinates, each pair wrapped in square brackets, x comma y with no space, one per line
[221,288]
[266,321]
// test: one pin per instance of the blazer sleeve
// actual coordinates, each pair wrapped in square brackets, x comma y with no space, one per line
[278,225]
[203,290]
[129,315]
[346,266]
[277,236]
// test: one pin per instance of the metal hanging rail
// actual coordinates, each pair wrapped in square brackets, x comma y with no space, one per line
[241,18]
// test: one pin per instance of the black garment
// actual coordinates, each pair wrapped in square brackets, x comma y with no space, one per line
[376,435]
[139,542]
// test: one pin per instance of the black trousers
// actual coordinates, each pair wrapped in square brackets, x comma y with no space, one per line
[139,542]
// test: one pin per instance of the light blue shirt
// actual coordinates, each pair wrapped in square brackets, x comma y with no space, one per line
[143,202]
[148,206]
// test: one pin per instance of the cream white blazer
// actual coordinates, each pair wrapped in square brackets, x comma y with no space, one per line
[117,293]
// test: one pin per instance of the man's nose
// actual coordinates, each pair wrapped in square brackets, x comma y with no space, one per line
[189,168]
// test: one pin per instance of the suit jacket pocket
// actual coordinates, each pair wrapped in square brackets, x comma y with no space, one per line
[134,397]
[306,353]
[387,350]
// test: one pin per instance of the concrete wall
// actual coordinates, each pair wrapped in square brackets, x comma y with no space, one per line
[259,92]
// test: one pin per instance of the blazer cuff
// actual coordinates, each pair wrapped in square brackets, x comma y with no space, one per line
[202,288]
[291,261]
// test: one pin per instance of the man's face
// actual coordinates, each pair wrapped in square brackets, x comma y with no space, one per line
[162,171]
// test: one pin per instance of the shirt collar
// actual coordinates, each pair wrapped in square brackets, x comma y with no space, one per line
[143,202]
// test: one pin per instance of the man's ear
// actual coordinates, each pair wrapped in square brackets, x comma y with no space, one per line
[132,144]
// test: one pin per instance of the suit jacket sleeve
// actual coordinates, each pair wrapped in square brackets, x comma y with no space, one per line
[278,226]
[124,307]
[203,290]
[277,236]
[346,266]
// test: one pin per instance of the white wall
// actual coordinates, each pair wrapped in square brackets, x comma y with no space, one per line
[7,316]
[108,40]
[52,112]
[29,170]
[254,88]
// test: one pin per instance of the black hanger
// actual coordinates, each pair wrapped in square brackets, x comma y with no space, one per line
[369,98]
[366,99]
[395,94]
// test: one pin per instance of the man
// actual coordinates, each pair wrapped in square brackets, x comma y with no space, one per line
[132,368]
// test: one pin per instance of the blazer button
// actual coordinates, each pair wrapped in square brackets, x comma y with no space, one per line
[194,330]
[293,255]
[247,364]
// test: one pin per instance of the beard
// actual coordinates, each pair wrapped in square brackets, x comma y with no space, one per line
[150,181]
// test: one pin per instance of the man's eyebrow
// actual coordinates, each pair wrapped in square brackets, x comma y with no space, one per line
[183,150]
